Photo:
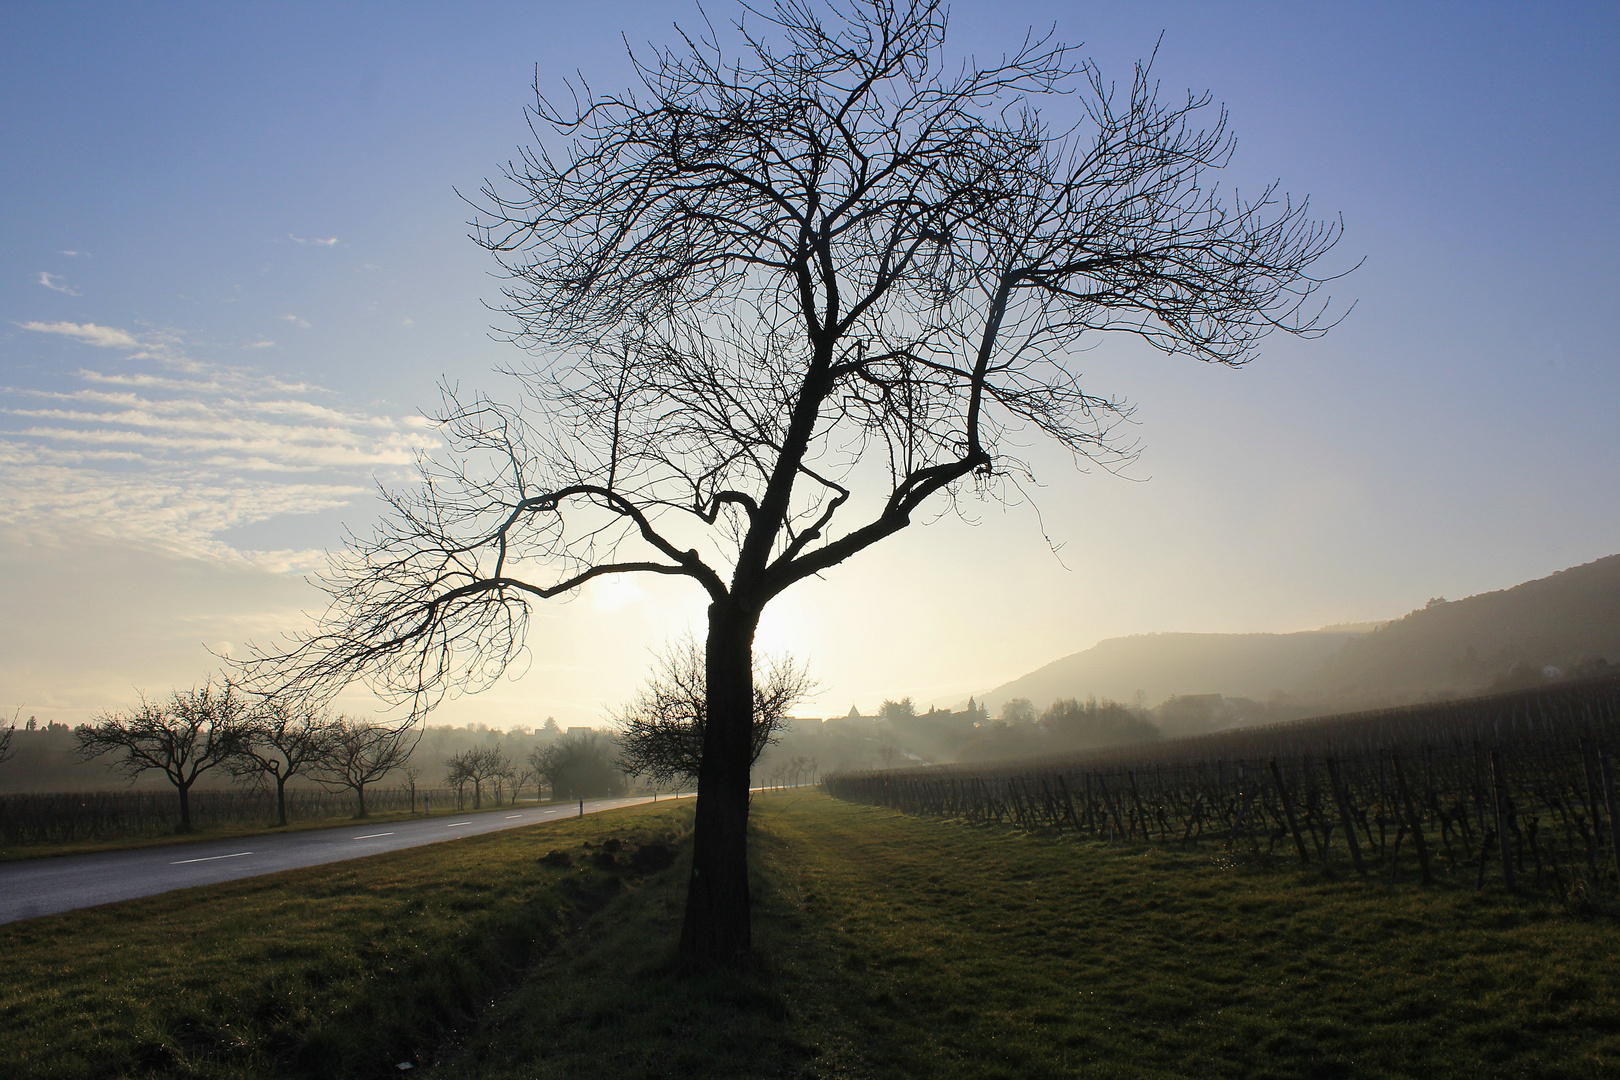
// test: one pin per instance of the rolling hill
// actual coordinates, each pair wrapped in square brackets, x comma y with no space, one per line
[1569,620]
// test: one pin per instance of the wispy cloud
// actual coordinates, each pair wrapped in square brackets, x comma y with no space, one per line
[262,343]
[175,452]
[56,282]
[302,324]
[328,241]
[89,333]
[74,254]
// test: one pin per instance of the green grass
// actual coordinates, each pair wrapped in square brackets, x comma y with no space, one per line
[907,947]
[888,946]
[339,970]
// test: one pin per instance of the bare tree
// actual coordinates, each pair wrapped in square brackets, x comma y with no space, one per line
[829,246]
[457,775]
[194,731]
[478,766]
[358,753]
[503,773]
[5,742]
[661,730]
[538,761]
[282,738]
[412,774]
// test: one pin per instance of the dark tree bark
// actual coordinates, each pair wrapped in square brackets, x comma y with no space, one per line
[839,244]
[717,927]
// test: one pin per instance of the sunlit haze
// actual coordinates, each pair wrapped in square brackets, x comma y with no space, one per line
[236,272]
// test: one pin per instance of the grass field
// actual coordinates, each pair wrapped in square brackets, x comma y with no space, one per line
[331,971]
[889,946]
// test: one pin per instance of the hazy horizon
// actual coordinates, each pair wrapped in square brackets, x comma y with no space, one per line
[237,271]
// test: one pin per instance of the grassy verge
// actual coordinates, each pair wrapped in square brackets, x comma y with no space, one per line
[340,970]
[20,852]
[906,947]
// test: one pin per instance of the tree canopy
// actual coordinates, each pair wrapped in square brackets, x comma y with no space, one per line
[808,246]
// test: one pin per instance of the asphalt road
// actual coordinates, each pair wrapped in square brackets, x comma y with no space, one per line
[46,886]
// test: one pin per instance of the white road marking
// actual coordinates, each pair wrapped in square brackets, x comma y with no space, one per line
[509,817]
[373,836]
[211,858]
[453,824]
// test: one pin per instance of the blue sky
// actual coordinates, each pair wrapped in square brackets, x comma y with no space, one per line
[235,270]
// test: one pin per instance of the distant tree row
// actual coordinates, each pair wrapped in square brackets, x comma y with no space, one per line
[219,727]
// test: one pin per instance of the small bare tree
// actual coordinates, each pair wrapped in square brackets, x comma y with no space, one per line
[540,766]
[829,245]
[5,743]
[412,774]
[661,730]
[478,766]
[359,753]
[193,732]
[282,738]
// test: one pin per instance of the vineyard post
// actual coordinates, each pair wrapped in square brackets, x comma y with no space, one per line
[1342,797]
[1414,823]
[1499,789]
[1288,811]
[1141,814]
[1068,802]
[1592,787]
[1608,798]
[1395,851]
[1051,805]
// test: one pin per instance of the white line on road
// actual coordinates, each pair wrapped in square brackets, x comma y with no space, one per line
[453,824]
[211,858]
[509,817]
[373,835]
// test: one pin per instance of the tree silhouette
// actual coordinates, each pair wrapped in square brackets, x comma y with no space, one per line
[194,731]
[358,753]
[282,738]
[661,730]
[757,275]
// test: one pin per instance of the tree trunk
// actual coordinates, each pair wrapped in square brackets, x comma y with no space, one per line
[185,807]
[716,929]
[281,800]
[360,797]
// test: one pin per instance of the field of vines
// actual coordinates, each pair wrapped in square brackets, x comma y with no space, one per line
[103,815]
[1517,790]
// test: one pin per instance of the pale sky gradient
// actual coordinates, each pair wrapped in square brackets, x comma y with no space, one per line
[233,270]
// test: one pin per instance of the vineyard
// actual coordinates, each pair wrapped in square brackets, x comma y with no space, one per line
[1515,789]
[99,815]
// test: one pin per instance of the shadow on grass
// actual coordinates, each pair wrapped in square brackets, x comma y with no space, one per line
[612,1001]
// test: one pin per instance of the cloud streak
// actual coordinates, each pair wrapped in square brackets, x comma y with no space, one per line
[105,337]
[171,452]
[56,282]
